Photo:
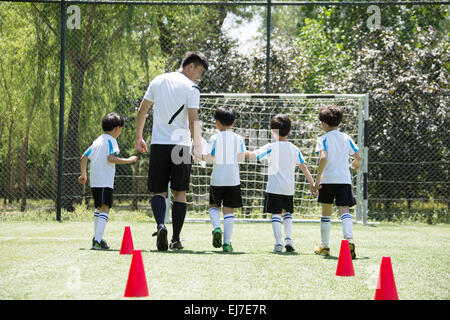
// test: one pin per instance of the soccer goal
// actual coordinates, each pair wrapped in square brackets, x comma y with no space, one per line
[254,114]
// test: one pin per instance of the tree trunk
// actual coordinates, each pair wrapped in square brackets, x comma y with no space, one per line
[23,171]
[71,162]
[9,164]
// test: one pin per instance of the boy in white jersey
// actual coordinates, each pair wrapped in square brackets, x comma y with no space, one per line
[333,178]
[283,159]
[103,155]
[226,150]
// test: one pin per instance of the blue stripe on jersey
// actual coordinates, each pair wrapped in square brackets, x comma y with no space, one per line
[213,149]
[111,149]
[87,153]
[300,157]
[324,144]
[353,146]
[262,155]
[242,146]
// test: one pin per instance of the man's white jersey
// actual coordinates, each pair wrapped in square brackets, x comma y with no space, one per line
[338,146]
[283,158]
[172,94]
[102,172]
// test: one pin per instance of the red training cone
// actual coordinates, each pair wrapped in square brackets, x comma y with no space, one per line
[345,264]
[137,283]
[127,242]
[386,289]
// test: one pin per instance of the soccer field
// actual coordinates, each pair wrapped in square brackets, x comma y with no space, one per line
[51,260]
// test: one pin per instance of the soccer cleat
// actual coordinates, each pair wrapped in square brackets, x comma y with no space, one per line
[217,238]
[176,245]
[102,245]
[278,248]
[289,245]
[161,238]
[351,245]
[323,251]
[226,247]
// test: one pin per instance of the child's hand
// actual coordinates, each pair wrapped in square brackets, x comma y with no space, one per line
[313,190]
[82,179]
[318,186]
[355,164]
[133,159]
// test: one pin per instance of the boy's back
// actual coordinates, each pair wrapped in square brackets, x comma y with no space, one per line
[225,147]
[338,146]
[102,171]
[283,158]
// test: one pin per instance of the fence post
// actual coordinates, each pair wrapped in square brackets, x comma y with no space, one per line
[366,160]
[268,23]
[61,106]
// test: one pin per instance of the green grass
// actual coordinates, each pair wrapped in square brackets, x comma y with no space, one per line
[51,260]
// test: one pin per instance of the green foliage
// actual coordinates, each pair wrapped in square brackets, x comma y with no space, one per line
[404,67]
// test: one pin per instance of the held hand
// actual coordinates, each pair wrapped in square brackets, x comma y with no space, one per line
[141,146]
[133,159]
[197,158]
[82,179]
[318,186]
[355,164]
[313,190]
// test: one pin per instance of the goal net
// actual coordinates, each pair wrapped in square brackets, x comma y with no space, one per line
[253,117]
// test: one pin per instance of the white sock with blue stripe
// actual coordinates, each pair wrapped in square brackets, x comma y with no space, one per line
[325,227]
[228,223]
[276,227]
[347,225]
[287,222]
[96,213]
[101,224]
[214,214]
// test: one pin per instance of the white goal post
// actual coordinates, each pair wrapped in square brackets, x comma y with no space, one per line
[254,112]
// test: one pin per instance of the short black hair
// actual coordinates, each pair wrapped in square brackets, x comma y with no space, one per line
[225,115]
[112,120]
[331,115]
[282,123]
[195,57]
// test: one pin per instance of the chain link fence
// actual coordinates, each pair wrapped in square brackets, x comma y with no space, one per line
[398,53]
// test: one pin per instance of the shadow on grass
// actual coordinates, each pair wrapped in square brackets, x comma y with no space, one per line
[103,250]
[337,258]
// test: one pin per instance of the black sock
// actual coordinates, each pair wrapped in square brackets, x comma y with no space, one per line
[159,208]
[178,215]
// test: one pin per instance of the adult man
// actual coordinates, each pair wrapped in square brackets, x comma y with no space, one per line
[176,100]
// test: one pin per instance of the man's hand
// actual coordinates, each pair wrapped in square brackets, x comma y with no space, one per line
[141,146]
[197,152]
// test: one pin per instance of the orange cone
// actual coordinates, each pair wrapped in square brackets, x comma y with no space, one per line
[127,242]
[137,283]
[345,264]
[386,289]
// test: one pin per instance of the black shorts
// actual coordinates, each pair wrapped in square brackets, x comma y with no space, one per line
[341,194]
[164,168]
[230,196]
[102,196]
[275,203]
